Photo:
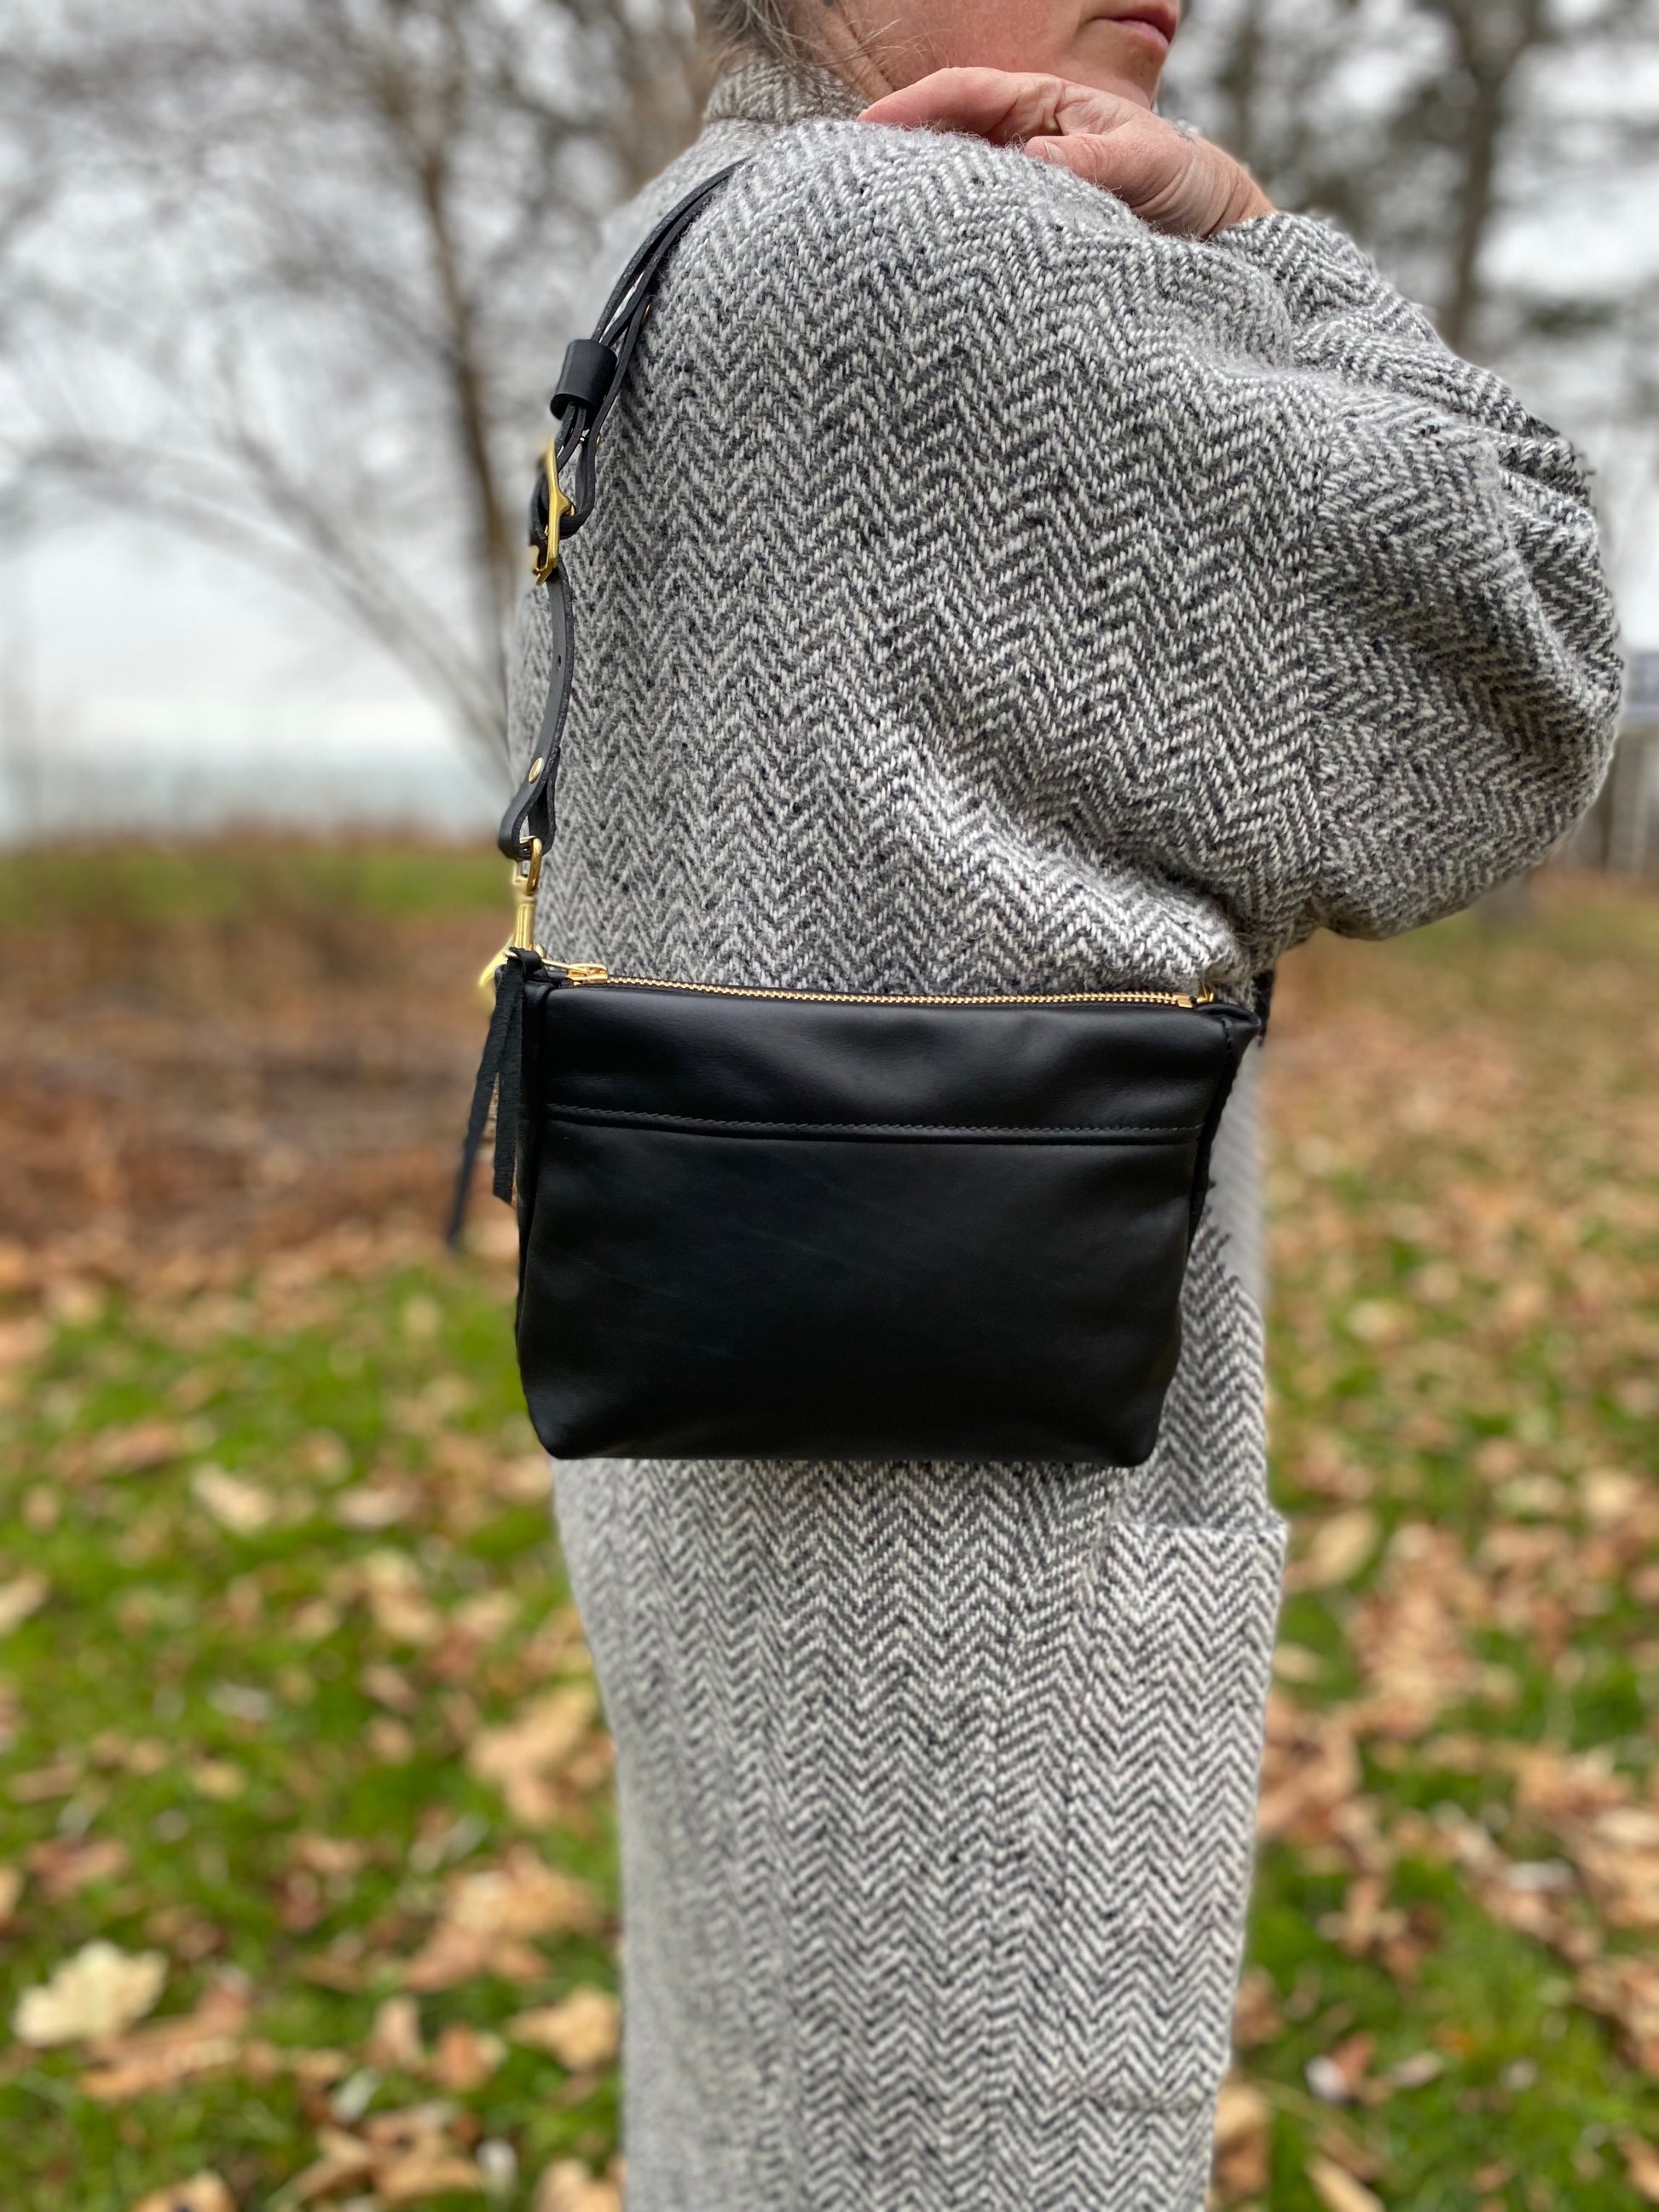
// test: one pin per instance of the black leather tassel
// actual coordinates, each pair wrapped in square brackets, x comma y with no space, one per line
[501,1072]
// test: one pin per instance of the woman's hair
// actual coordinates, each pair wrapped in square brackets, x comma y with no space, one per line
[731,28]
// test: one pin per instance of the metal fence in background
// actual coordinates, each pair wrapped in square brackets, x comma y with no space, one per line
[1621,835]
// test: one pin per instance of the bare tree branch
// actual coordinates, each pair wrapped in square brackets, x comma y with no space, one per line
[292,274]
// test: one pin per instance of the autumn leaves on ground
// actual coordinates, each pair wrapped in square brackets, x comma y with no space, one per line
[307,1855]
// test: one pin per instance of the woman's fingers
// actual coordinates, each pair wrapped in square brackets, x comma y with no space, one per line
[1000,105]
[1174,182]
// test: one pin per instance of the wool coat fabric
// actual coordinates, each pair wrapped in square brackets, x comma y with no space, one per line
[988,593]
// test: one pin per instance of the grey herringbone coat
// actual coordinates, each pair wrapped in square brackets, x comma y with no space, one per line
[987,593]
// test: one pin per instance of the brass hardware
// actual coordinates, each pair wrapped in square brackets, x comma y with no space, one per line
[536,768]
[526,881]
[583,971]
[542,563]
[487,979]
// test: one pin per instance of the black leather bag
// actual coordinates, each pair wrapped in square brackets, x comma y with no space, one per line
[764,1223]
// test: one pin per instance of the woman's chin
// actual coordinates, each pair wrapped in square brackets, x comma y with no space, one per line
[1125,58]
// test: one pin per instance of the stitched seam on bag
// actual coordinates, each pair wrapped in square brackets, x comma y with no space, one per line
[616,1116]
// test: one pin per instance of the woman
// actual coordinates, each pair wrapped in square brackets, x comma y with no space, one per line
[1023,561]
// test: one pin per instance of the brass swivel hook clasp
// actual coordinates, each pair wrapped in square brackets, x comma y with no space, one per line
[526,881]
[545,543]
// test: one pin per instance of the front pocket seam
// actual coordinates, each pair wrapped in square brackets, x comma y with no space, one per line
[626,1118]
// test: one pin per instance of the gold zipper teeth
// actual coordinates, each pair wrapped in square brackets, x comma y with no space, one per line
[580,972]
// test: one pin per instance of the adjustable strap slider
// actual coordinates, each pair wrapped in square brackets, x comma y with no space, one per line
[585,380]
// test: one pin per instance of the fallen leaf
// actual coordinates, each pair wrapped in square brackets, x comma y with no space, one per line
[1626,1992]
[390,1585]
[221,1779]
[409,2127]
[1338,2076]
[394,2043]
[1256,2016]
[21,1599]
[490,1915]
[319,1617]
[240,1507]
[1357,2159]
[567,2186]
[451,1955]
[318,2069]
[521,1897]
[1368,1925]
[135,1447]
[74,1302]
[335,1858]
[67,1864]
[1244,2140]
[1324,2078]
[152,2060]
[581,2032]
[1642,2167]
[423,2174]
[1379,1320]
[367,1507]
[1611,1495]
[1409,1634]
[526,1481]
[41,1783]
[523,1757]
[463,2060]
[324,1455]
[1338,2191]
[203,2192]
[1416,2071]
[26,1339]
[340,1967]
[99,1992]
[487,1617]
[345,2164]
[391,1741]
[1311,1770]
[389,1687]
[1338,1548]
[188,1935]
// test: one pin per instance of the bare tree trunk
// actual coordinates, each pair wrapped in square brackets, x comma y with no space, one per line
[1492,38]
[1239,81]
[1459,306]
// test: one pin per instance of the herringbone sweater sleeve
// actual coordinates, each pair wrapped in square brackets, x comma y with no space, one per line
[1461,646]
[1213,562]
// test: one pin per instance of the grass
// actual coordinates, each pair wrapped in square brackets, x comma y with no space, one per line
[293,1701]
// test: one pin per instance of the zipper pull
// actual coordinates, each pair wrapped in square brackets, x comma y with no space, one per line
[580,971]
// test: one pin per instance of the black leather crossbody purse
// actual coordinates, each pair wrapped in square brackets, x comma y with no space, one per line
[765,1224]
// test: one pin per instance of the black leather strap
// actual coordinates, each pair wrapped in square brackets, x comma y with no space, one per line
[590,384]
[591,381]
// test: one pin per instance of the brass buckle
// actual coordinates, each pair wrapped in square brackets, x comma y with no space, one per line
[526,881]
[545,557]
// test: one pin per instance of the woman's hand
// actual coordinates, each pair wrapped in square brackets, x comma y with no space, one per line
[1178,183]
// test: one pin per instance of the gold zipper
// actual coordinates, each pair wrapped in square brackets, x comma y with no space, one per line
[587,971]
